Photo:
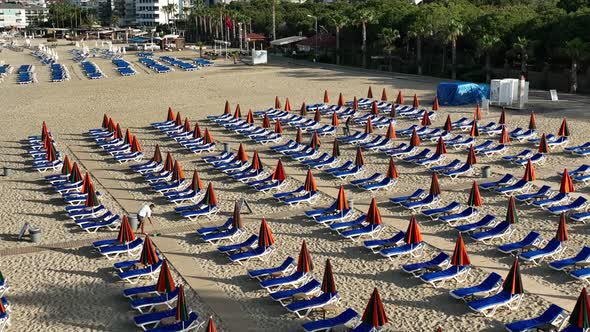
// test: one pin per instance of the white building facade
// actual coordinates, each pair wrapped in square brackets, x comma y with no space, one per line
[12,16]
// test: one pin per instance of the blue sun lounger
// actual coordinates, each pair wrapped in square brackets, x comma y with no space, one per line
[553,249]
[417,269]
[488,305]
[215,229]
[335,216]
[467,214]
[506,180]
[367,230]
[414,249]
[377,245]
[489,285]
[580,216]
[112,223]
[557,199]
[438,278]
[518,187]
[486,221]
[295,279]
[532,198]
[249,243]
[191,323]
[258,252]
[524,154]
[349,316]
[554,315]
[131,249]
[383,184]
[231,234]
[501,230]
[303,308]
[319,212]
[134,276]
[435,213]
[134,292]
[286,267]
[339,226]
[577,204]
[426,202]
[152,319]
[565,264]
[312,287]
[146,304]
[418,194]
[532,239]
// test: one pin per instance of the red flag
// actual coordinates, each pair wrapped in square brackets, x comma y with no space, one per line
[228,23]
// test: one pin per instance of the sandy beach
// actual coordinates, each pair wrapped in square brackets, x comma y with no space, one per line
[63,285]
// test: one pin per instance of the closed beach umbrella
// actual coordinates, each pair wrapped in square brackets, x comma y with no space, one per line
[85,183]
[241,155]
[374,314]
[562,229]
[112,126]
[384,95]
[105,120]
[390,131]
[226,109]
[413,235]
[256,163]
[391,170]
[373,214]
[315,141]
[182,313]
[299,136]
[75,175]
[532,121]
[237,221]
[165,282]
[511,213]
[50,154]
[128,136]
[135,147]
[369,126]
[317,117]
[304,263]
[279,172]
[563,129]
[374,108]
[460,257]
[435,105]
[370,93]
[529,172]
[335,148]
[426,119]
[441,147]
[250,117]
[210,198]
[335,121]
[277,103]
[91,198]
[197,132]
[474,132]
[513,282]
[178,120]
[169,163]
[477,114]
[287,105]
[359,160]
[265,121]
[238,112]
[45,132]
[66,168]
[326,98]
[543,146]
[278,127]
[434,185]
[211,326]
[341,101]
[414,140]
[265,238]
[471,158]
[310,184]
[341,201]
[504,138]
[328,283]
[170,116]
[177,173]
[157,154]
[196,184]
[580,316]
[392,112]
[475,196]
[148,252]
[448,124]
[502,120]
[567,185]
[187,126]
[126,234]
[207,137]
[303,109]
[118,132]
[400,98]
[355,103]
[416,103]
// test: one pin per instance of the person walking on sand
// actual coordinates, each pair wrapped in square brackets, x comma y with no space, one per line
[145,212]
[347,126]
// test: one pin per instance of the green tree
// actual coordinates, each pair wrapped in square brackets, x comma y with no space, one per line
[456,30]
[338,20]
[387,38]
[487,44]
[575,49]
[363,17]
[521,47]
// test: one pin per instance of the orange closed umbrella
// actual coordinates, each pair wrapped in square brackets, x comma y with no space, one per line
[196,184]
[207,137]
[426,119]
[310,184]
[441,147]
[211,326]
[460,257]
[400,98]
[474,132]
[477,114]
[504,137]
[126,234]
[341,201]
[359,160]
[315,141]
[448,124]
[435,105]
[279,172]
[256,163]
[50,154]
[210,198]
[413,235]
[390,134]
[502,120]
[532,121]
[304,262]
[165,283]
[416,103]
[187,126]
[170,116]
[335,148]
[238,112]
[580,316]
[241,155]
[474,196]
[237,221]
[434,185]
[119,132]
[287,105]
[299,136]
[341,101]
[355,104]
[277,103]
[250,117]
[374,108]
[85,184]
[370,93]
[105,122]
[369,126]
[265,237]
[562,229]
[391,170]
[529,172]
[513,282]
[91,198]
[563,129]
[471,158]
[178,120]
[328,283]
[128,136]
[414,140]
[511,213]
[135,147]
[392,111]
[543,146]
[374,314]
[303,109]
[265,121]
[326,98]
[226,109]
[373,214]
[317,116]
[177,173]
[148,253]
[335,121]
[567,185]
[197,131]
[278,127]
[383,95]
[66,168]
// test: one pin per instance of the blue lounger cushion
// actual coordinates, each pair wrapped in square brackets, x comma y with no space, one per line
[264,272]
[325,324]
[547,317]
[487,285]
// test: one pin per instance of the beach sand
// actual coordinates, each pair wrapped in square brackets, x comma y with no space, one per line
[63,285]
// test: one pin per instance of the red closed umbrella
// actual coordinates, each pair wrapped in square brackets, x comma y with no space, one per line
[532,121]
[441,147]
[326,98]
[148,252]
[157,154]
[477,114]
[513,282]
[50,154]
[187,126]
[135,146]
[374,314]
[75,175]
[169,163]
[475,196]
[413,235]
[128,136]
[448,124]
[373,214]
[460,257]
[562,229]
[126,234]
[278,127]
[567,185]
[563,129]
[369,126]
[165,283]
[580,316]
[543,146]
[392,112]
[105,122]
[335,121]
[304,262]
[197,132]
[355,103]
[315,142]
[182,314]
[303,109]
[226,109]
[299,136]
[85,183]
[287,105]
[471,158]
[529,172]
[279,172]
[250,117]
[238,112]
[211,326]
[111,126]
[390,134]
[335,148]
[383,95]
[265,237]
[241,155]
[178,120]
[341,201]
[177,173]
[502,120]
[359,160]
[416,103]
[374,108]
[426,119]
[391,170]
[277,103]
[504,138]
[511,213]
[474,132]
[66,168]
[414,140]
[341,101]
[435,105]
[328,283]
[196,184]
[265,121]
[400,98]
[119,132]
[434,185]
[207,137]
[310,184]
[317,117]
[256,163]
[210,198]
[91,198]
[370,93]
[237,221]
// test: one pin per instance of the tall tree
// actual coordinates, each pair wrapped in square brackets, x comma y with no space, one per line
[339,20]
[365,16]
[387,38]
[456,30]
[487,44]
[521,46]
[576,49]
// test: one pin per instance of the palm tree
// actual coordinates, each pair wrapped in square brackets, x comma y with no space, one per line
[365,16]
[487,44]
[521,46]
[170,10]
[456,30]
[387,37]
[339,20]
[575,49]
[196,11]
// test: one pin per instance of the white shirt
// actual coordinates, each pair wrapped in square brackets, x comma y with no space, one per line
[145,211]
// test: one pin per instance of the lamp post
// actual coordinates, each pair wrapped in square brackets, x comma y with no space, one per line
[316,36]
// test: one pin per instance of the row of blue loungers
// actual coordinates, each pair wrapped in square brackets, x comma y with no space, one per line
[124,67]
[59,73]
[26,74]
[155,66]
[204,62]
[179,63]
[91,70]
[5,70]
